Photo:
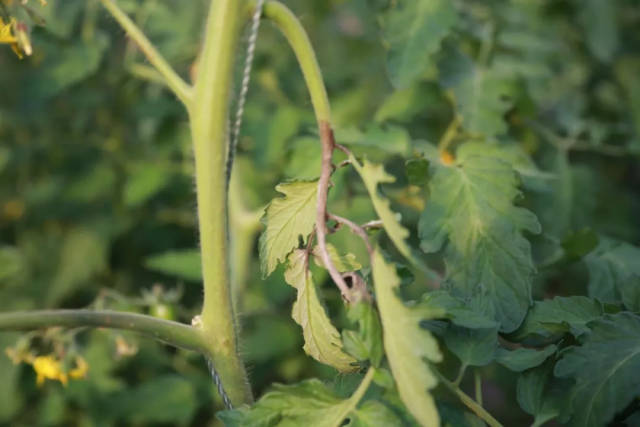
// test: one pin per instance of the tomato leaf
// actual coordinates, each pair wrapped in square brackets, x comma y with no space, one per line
[321,338]
[605,369]
[414,31]
[487,257]
[287,219]
[407,345]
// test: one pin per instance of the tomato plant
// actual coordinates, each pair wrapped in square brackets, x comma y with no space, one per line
[438,228]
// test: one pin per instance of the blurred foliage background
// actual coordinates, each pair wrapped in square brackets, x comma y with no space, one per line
[97,207]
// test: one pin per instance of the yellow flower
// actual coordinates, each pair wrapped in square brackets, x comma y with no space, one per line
[81,369]
[6,32]
[47,367]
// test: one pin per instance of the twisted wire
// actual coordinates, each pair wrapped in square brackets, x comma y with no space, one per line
[244,88]
[216,379]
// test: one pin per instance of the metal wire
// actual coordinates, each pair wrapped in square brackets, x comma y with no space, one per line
[244,88]
[216,379]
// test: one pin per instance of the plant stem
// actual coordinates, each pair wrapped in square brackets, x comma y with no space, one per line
[209,115]
[179,87]
[477,379]
[295,34]
[357,395]
[468,402]
[450,133]
[173,333]
[460,377]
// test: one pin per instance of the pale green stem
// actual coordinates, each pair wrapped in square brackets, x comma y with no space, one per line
[179,87]
[173,333]
[469,402]
[297,37]
[460,377]
[209,117]
[356,397]
[478,386]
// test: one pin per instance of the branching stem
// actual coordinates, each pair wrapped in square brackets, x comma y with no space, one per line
[179,87]
[469,402]
[173,333]
[295,34]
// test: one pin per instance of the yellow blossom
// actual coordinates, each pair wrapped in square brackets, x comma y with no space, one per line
[47,367]
[6,32]
[81,369]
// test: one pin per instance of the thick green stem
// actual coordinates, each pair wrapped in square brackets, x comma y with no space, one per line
[173,333]
[209,118]
[181,89]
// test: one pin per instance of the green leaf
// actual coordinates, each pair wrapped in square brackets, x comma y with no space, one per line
[165,399]
[388,139]
[474,347]
[185,264]
[372,414]
[12,264]
[343,263]
[64,66]
[307,403]
[614,273]
[558,316]
[542,395]
[82,255]
[373,175]
[482,95]
[414,31]
[321,339]
[366,342]
[145,181]
[521,359]
[605,369]
[456,310]
[408,347]
[600,28]
[487,257]
[287,219]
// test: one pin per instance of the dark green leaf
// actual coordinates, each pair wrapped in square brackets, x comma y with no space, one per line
[414,31]
[605,369]
[521,359]
[614,273]
[559,315]
[488,258]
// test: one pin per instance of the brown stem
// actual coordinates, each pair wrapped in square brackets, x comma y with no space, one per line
[355,228]
[328,144]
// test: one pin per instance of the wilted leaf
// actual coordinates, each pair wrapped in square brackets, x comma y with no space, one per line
[343,263]
[373,175]
[287,219]
[605,368]
[488,259]
[321,338]
[408,347]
